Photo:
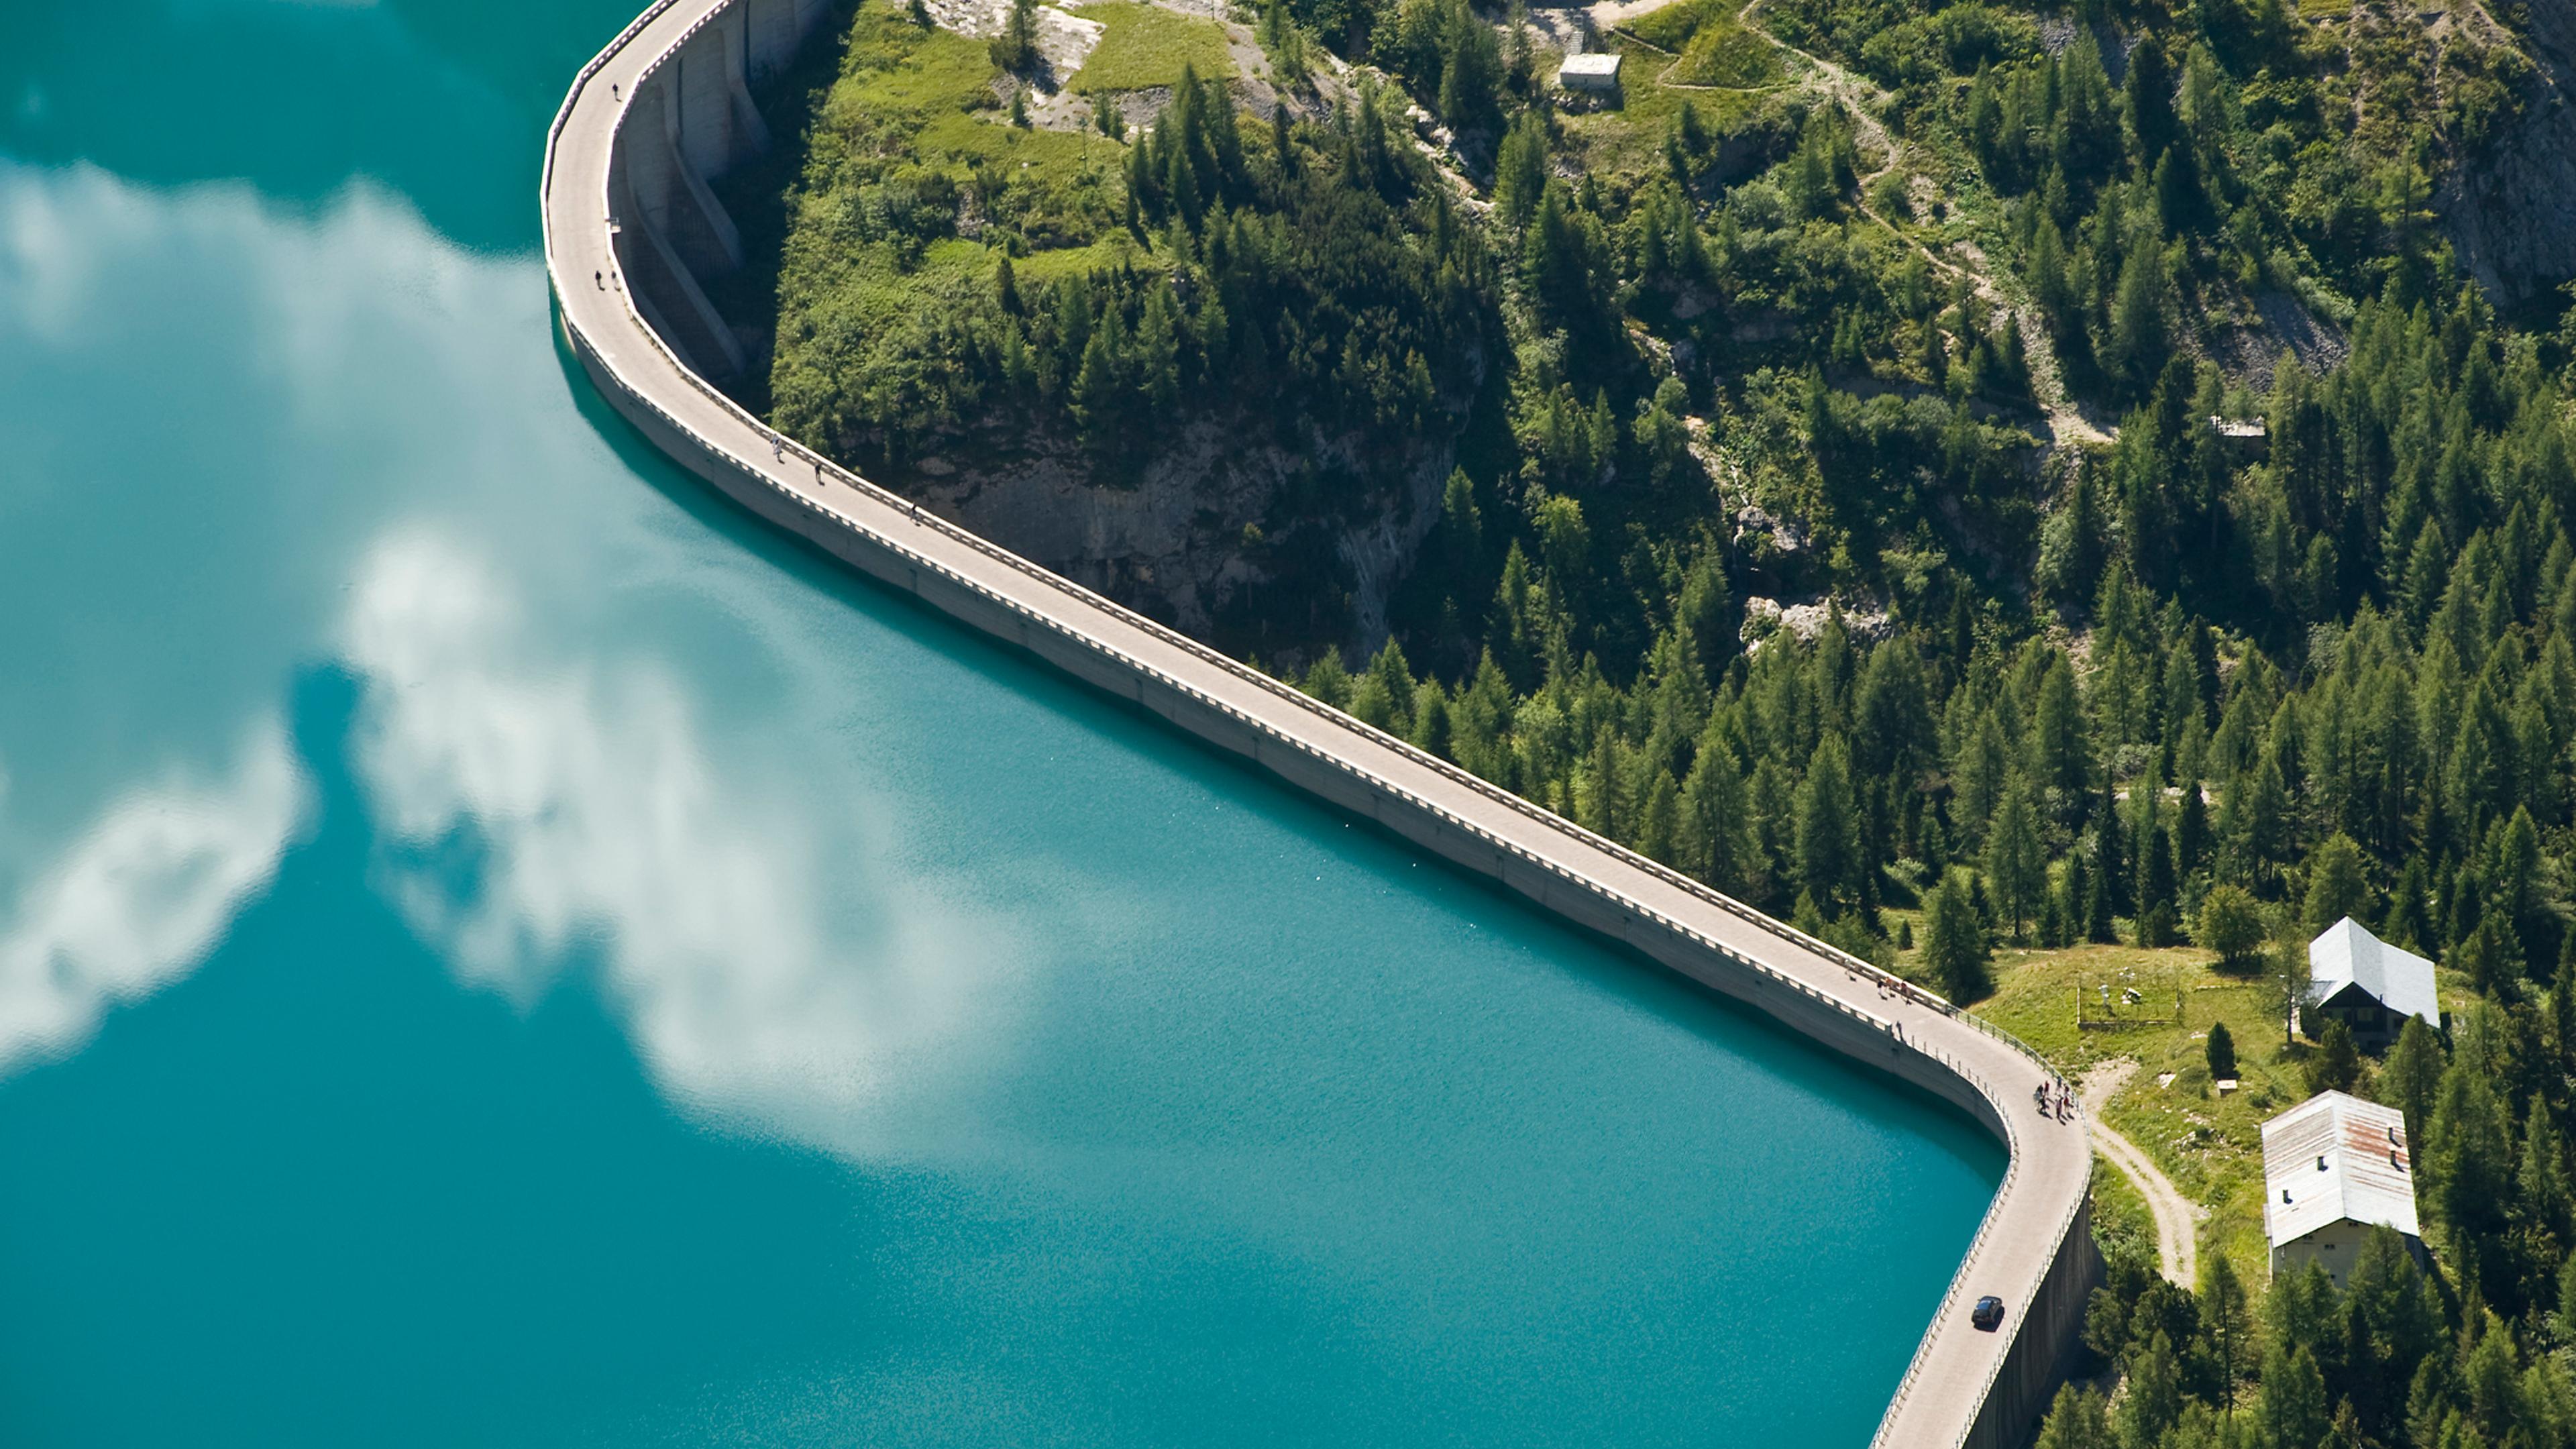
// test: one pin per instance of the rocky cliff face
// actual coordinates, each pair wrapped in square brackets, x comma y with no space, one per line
[2511,211]
[1175,545]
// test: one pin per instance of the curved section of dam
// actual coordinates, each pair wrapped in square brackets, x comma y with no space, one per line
[633,228]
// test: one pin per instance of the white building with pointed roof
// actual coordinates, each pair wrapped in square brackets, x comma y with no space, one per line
[2367,984]
[2334,1167]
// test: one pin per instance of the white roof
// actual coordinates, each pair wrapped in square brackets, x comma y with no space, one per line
[1599,62]
[2367,1173]
[2347,955]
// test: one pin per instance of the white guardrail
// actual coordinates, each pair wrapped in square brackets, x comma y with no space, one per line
[1857,968]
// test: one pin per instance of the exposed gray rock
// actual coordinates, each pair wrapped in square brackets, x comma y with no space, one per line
[2511,211]
[1174,545]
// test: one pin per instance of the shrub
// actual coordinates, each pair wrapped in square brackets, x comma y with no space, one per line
[2231,925]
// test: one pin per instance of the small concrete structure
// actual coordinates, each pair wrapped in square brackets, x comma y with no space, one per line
[1591,71]
[2334,1167]
[2368,985]
[2244,439]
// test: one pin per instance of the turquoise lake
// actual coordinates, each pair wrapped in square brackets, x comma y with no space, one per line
[498,949]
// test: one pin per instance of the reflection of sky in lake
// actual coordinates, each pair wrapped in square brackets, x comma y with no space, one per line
[494,947]
[401,522]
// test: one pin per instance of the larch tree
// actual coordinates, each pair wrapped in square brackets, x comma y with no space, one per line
[1954,944]
[2285,981]
[2077,1420]
[2336,886]
[2016,859]
[1829,854]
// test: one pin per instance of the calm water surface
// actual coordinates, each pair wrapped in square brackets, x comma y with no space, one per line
[496,950]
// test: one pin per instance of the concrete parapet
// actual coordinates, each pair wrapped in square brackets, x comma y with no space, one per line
[674,119]
[688,119]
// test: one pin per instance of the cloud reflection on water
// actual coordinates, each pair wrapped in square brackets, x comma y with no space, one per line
[142,895]
[341,399]
[594,819]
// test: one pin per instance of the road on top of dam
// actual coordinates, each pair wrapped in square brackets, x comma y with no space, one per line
[1944,1390]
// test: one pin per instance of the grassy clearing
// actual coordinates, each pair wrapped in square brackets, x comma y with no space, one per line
[915,108]
[914,183]
[1629,140]
[897,75]
[1142,46]
[1712,46]
[1726,54]
[1672,27]
[2211,1146]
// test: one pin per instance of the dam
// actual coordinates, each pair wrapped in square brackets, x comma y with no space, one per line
[500,944]
[627,200]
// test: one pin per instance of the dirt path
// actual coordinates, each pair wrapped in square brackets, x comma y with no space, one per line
[1861,100]
[2177,1217]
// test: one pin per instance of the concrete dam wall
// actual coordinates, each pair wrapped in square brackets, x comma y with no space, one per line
[632,230]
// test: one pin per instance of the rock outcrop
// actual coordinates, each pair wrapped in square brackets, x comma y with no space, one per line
[1174,543]
[2511,210]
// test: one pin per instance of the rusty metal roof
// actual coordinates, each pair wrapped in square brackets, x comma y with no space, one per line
[2335,1158]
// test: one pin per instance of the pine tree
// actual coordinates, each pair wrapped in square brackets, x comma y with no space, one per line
[2110,855]
[1327,680]
[1520,170]
[2016,862]
[2102,903]
[1431,731]
[2294,1409]
[2256,822]
[2560,1040]
[1829,852]
[2337,1065]
[2336,888]
[1016,48]
[2156,888]
[2285,979]
[1600,805]
[1284,41]
[2223,1319]
[1395,676]
[1659,825]
[2057,733]
[2541,1183]
[2135,345]
[2077,1421]
[2153,1400]
[1715,831]
[1954,944]
[2411,1076]
[1462,526]
[2467,1172]
[2191,831]
[2074,895]
[2221,1053]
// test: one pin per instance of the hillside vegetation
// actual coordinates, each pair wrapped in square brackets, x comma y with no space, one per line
[1951,474]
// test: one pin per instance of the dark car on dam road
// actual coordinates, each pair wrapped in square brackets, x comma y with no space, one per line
[1988,1314]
